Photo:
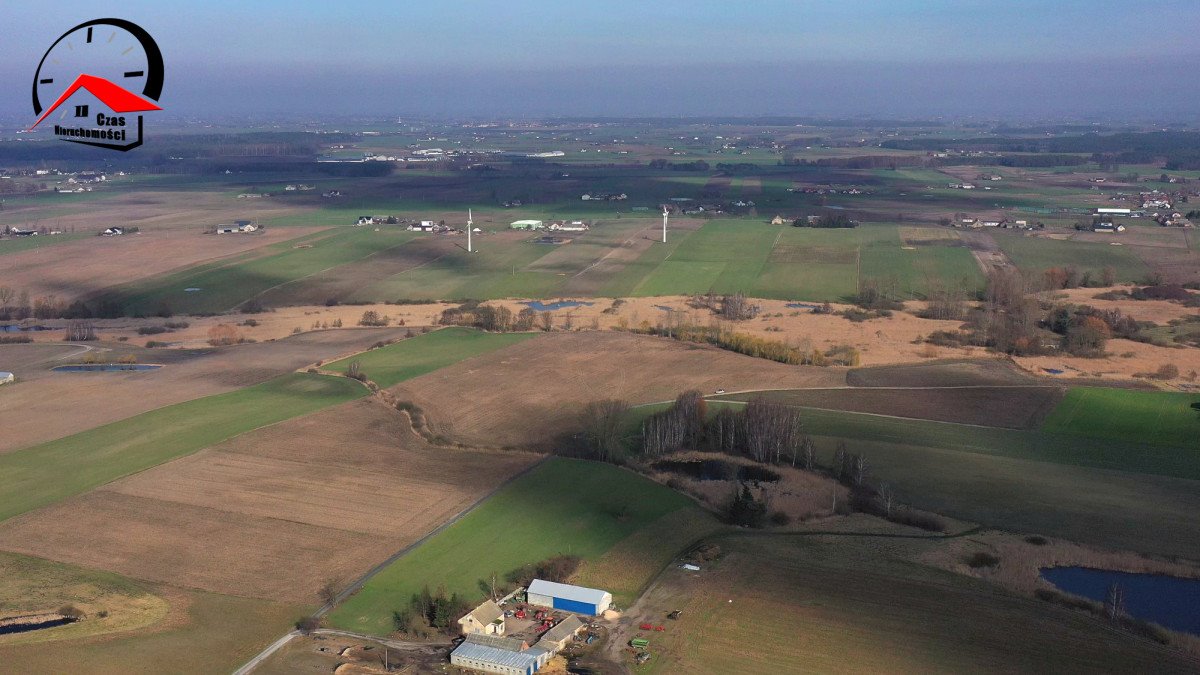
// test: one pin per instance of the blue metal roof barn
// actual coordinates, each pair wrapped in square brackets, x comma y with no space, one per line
[577,599]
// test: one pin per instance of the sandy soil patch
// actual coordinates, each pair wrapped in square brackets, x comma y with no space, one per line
[1158,311]
[271,514]
[1125,359]
[880,341]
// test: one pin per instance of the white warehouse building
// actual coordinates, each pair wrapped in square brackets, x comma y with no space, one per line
[575,599]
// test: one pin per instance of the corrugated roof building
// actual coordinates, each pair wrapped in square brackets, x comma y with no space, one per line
[472,654]
[576,599]
[557,637]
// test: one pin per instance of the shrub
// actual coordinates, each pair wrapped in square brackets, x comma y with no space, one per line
[250,323]
[151,344]
[1036,540]
[308,624]
[373,319]
[981,559]
[176,325]
[780,519]
[15,339]
[71,612]
[151,330]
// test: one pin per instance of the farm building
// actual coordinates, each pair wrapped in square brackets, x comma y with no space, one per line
[486,619]
[557,637]
[492,654]
[6,377]
[238,226]
[527,225]
[577,599]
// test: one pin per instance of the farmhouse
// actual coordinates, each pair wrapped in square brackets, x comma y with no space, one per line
[527,225]
[238,227]
[6,377]
[577,599]
[113,232]
[492,654]
[486,619]
[22,233]
[778,220]
[557,637]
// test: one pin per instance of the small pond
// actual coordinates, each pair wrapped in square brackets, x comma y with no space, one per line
[539,306]
[665,308]
[105,367]
[716,469]
[1171,602]
[15,328]
[803,305]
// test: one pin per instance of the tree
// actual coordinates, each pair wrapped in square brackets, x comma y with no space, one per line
[1114,603]
[373,318]
[602,424]
[6,294]
[354,371]
[224,334]
[887,499]
[745,510]
[328,592]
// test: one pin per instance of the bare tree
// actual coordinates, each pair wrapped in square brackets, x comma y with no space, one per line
[807,453]
[329,591]
[6,294]
[1114,603]
[602,426]
[547,321]
[887,498]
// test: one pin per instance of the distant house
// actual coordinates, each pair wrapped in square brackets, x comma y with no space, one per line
[572,226]
[486,619]
[6,377]
[113,232]
[778,220]
[527,225]
[238,227]
[17,232]
[423,226]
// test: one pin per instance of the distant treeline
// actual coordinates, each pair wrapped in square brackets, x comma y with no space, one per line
[1179,149]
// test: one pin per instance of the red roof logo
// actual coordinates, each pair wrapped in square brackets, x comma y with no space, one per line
[117,99]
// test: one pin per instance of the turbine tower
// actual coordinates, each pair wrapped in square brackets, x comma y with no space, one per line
[665,214]
[469,228]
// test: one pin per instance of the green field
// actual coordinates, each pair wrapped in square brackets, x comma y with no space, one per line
[426,353]
[1037,254]
[43,474]
[563,506]
[30,243]
[778,603]
[1158,417]
[227,283]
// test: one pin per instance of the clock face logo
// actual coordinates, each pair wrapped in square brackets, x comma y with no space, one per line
[96,80]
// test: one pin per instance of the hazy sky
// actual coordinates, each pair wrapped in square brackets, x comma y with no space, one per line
[997,58]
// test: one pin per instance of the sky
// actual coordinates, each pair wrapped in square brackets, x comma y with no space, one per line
[1011,59]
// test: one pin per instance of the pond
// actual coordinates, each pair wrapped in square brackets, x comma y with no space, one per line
[105,367]
[803,305]
[1171,602]
[539,306]
[716,469]
[15,328]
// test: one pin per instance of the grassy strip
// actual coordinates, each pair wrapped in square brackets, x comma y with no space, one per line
[46,473]
[1157,417]
[563,506]
[426,353]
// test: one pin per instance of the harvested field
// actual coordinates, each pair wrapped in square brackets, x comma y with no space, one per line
[84,267]
[61,404]
[203,633]
[273,513]
[1017,407]
[855,606]
[549,379]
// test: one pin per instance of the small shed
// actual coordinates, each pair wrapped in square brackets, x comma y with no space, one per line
[557,637]
[527,225]
[576,599]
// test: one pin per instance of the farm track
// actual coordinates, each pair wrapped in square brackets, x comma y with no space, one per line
[262,656]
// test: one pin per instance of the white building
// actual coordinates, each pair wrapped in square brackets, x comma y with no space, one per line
[6,377]
[491,654]
[568,598]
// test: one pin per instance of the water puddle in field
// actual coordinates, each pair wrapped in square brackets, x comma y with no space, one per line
[716,469]
[539,306]
[1171,602]
[105,367]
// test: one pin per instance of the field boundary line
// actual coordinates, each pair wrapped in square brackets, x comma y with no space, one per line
[357,585]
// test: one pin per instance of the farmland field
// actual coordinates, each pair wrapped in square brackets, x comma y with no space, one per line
[1158,417]
[423,354]
[861,606]
[43,474]
[273,513]
[1037,254]
[563,506]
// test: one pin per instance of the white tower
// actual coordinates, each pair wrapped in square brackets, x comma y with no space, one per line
[469,228]
[665,214]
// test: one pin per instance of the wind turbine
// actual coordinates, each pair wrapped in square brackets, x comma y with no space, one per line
[469,228]
[665,214]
